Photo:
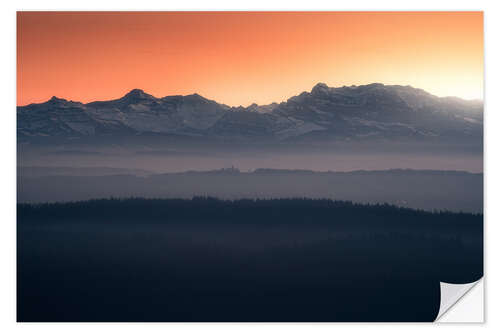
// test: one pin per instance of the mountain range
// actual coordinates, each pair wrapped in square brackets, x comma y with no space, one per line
[349,113]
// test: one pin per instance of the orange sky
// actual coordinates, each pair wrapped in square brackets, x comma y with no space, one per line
[245,57]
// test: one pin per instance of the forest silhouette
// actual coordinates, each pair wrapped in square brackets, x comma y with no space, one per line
[208,260]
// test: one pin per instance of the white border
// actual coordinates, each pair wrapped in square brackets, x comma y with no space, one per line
[8,181]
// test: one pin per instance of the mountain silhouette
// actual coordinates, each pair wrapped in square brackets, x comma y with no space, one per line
[366,112]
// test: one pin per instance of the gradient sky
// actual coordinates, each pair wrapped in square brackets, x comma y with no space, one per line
[245,57]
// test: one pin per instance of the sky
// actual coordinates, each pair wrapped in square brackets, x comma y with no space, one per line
[239,58]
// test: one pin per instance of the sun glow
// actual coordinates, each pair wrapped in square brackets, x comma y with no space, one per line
[244,57]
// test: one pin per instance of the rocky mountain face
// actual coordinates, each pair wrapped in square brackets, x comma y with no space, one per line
[368,112]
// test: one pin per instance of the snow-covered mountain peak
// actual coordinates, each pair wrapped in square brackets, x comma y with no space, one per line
[373,111]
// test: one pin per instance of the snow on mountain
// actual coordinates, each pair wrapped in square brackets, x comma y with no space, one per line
[349,112]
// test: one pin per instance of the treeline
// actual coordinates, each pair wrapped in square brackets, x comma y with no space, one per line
[206,259]
[253,211]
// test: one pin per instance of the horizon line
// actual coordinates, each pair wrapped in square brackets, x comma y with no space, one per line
[254,103]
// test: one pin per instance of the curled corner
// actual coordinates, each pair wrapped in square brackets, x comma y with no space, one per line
[451,293]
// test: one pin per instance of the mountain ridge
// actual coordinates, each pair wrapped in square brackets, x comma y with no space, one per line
[141,91]
[325,113]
